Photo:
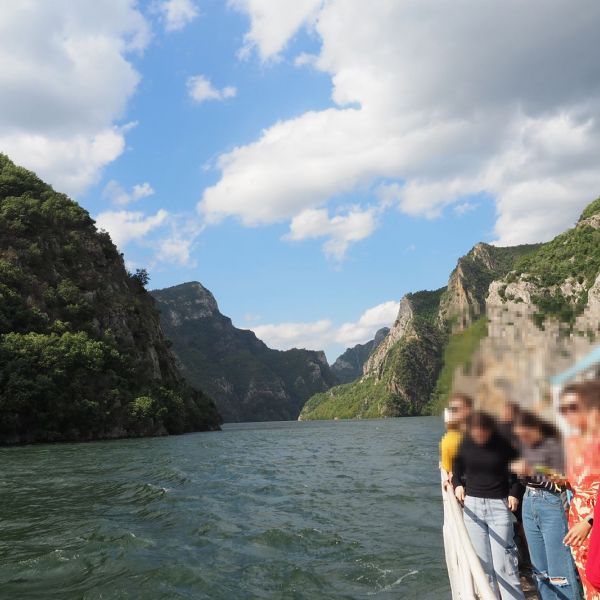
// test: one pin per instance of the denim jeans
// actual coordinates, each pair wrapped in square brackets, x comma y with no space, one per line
[545,525]
[490,526]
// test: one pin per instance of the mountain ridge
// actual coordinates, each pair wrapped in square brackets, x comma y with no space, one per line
[248,380]
[349,365]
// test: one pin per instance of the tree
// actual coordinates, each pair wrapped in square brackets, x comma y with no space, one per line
[141,276]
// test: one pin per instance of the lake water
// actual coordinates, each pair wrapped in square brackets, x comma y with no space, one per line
[312,510]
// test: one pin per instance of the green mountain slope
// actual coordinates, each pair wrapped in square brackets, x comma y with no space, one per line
[248,380]
[399,381]
[82,354]
[560,272]
[434,332]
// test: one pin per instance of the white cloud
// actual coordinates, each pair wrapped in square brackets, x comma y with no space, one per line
[177,14]
[283,336]
[125,226]
[176,250]
[423,103]
[65,80]
[115,193]
[342,230]
[201,89]
[464,207]
[273,23]
[320,334]
[303,59]
[363,330]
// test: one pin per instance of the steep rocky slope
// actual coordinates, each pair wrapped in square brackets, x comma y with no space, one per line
[82,353]
[349,365]
[248,380]
[401,375]
[463,301]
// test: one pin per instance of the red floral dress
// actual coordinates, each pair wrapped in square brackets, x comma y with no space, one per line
[583,472]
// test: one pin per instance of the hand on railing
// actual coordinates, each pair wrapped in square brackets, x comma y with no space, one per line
[459,492]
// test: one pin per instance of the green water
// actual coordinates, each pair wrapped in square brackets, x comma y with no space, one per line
[282,510]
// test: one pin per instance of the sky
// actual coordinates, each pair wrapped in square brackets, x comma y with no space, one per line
[308,161]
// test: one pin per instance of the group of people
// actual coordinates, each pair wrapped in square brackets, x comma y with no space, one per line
[517,475]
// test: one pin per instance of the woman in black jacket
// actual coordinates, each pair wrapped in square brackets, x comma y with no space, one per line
[483,482]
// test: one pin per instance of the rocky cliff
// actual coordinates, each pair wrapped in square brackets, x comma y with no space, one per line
[248,380]
[82,353]
[407,373]
[464,299]
[349,365]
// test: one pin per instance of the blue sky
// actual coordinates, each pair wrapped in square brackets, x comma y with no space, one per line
[256,276]
[311,164]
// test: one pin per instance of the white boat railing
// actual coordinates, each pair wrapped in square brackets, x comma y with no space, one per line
[467,578]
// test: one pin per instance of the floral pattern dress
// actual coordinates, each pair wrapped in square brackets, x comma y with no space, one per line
[583,473]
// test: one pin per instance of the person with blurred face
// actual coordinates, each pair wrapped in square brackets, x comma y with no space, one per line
[591,404]
[582,473]
[544,518]
[489,498]
[459,408]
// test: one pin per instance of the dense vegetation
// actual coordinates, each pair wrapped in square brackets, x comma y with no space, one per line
[573,255]
[408,374]
[82,355]
[457,353]
[248,380]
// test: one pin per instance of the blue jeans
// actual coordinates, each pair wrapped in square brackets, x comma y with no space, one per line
[490,526]
[545,525]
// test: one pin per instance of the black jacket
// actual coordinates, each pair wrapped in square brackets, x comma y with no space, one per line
[484,470]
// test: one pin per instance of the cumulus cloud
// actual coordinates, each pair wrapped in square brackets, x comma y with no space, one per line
[363,330]
[201,89]
[273,23]
[283,336]
[322,333]
[342,230]
[115,193]
[65,79]
[176,14]
[442,101]
[125,226]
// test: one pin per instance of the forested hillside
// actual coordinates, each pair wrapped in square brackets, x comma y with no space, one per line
[82,354]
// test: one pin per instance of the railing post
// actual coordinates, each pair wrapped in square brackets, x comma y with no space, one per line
[467,578]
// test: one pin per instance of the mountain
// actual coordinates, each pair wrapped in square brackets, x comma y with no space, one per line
[403,376]
[82,353]
[349,365]
[248,380]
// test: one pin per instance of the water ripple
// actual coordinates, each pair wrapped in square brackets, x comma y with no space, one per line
[304,511]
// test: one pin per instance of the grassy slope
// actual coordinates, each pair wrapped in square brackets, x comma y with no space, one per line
[457,353]
[408,374]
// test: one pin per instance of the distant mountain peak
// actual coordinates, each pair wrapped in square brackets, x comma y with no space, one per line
[349,365]
[248,380]
[187,302]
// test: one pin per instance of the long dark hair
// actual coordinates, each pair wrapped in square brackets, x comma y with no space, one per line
[530,420]
[481,419]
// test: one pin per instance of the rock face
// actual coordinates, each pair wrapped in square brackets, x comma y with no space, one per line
[396,333]
[248,380]
[349,365]
[98,364]
[401,375]
[464,300]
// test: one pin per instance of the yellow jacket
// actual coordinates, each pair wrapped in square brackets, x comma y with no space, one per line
[449,447]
